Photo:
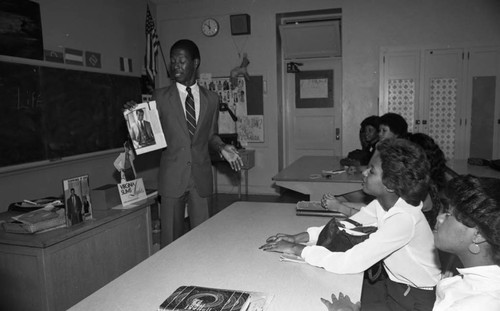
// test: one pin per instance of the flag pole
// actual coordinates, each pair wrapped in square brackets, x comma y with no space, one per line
[159,43]
[163,57]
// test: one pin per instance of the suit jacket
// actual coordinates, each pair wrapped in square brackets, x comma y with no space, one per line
[183,157]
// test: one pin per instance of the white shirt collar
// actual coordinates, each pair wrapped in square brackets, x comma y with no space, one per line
[182,88]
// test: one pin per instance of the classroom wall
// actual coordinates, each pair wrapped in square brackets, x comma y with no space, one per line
[366,27]
[116,28]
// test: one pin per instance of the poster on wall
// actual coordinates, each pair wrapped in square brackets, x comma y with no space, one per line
[314,89]
[251,129]
[234,98]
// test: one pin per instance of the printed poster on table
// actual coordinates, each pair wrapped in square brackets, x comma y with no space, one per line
[132,192]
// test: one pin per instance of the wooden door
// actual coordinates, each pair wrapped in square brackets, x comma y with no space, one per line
[425,87]
[441,114]
[313,108]
[400,84]
[482,135]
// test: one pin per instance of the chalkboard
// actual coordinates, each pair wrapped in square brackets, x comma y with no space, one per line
[50,113]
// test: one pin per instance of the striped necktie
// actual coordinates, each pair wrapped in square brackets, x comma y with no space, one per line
[190,112]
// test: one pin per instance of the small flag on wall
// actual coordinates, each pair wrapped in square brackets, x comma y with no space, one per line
[93,59]
[53,56]
[73,57]
[125,64]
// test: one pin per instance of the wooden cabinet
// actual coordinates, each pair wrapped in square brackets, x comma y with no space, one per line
[452,94]
[56,269]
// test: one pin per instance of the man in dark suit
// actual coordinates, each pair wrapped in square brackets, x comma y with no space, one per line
[74,208]
[185,176]
[144,133]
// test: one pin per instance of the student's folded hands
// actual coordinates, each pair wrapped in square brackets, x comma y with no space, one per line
[281,243]
[330,202]
[280,246]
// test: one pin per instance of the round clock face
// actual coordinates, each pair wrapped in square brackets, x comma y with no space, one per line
[210,27]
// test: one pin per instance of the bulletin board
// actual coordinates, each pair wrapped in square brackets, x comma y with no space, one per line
[246,101]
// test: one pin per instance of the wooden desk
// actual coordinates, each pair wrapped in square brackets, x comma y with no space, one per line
[56,269]
[299,176]
[461,167]
[248,157]
[224,252]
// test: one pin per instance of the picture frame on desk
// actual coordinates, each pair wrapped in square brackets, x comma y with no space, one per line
[77,199]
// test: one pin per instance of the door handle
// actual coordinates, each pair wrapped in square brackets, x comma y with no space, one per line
[337,133]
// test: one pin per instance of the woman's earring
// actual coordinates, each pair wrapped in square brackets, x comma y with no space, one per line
[474,248]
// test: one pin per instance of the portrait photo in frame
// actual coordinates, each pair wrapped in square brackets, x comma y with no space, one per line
[314,89]
[144,127]
[77,200]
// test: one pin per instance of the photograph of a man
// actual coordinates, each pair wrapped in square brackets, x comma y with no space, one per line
[143,132]
[74,207]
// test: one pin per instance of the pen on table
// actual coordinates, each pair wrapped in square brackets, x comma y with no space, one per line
[333,172]
[30,202]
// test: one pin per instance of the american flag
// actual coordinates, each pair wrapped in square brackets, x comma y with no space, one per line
[152,45]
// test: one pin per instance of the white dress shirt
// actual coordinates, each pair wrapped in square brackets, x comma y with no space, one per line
[195,90]
[403,240]
[476,288]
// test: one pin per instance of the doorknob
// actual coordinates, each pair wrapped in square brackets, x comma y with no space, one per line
[337,133]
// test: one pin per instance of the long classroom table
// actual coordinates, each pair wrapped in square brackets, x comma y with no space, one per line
[304,176]
[223,252]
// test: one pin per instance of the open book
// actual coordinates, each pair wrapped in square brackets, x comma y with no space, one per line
[215,299]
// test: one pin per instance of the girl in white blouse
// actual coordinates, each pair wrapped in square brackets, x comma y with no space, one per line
[470,229]
[398,176]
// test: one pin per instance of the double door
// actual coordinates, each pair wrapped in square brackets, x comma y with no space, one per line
[451,94]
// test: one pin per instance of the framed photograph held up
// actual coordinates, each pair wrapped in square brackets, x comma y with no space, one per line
[77,199]
[144,127]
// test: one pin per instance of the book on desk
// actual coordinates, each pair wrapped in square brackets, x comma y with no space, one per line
[215,299]
[314,208]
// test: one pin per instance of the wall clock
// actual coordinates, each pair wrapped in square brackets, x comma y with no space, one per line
[210,27]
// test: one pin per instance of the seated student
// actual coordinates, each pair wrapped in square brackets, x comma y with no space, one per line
[470,229]
[432,203]
[437,160]
[392,125]
[398,176]
[368,136]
